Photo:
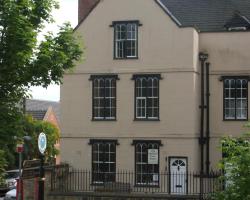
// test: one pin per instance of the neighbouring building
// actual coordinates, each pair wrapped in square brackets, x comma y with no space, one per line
[162,82]
[48,111]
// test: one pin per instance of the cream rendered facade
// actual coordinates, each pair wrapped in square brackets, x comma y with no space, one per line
[163,48]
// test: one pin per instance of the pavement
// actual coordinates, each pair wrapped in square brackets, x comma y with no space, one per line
[1,198]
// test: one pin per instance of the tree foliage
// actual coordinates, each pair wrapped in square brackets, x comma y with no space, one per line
[236,165]
[26,62]
[33,128]
[3,165]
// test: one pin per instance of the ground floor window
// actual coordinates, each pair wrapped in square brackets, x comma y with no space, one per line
[103,160]
[147,162]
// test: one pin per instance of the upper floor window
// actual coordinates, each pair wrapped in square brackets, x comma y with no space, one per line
[147,97]
[125,39]
[104,97]
[235,98]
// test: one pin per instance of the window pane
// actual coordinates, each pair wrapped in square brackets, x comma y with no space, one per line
[129,31]
[120,38]
[230,113]
[144,87]
[112,167]
[229,101]
[150,111]
[107,87]
[120,45]
[110,98]
[229,85]
[155,87]
[98,98]
[95,156]
[139,169]
[244,92]
[96,167]
[130,48]
[141,108]
[131,40]
[241,110]
[141,89]
[123,32]
[112,148]
[241,99]
[112,157]
[155,112]
[152,101]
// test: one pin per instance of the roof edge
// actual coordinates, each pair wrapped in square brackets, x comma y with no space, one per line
[167,11]
[49,110]
[83,19]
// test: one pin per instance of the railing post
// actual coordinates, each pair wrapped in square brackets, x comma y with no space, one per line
[52,178]
[201,185]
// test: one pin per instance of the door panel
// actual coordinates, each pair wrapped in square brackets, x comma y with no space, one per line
[178,175]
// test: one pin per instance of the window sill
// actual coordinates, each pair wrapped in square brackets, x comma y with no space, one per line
[146,120]
[235,120]
[104,120]
[129,58]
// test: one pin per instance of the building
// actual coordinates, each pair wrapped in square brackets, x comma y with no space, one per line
[162,82]
[48,111]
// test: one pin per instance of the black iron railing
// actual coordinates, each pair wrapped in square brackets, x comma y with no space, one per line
[65,179]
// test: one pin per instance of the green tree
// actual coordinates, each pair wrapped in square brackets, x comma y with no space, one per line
[236,165]
[33,128]
[3,165]
[26,62]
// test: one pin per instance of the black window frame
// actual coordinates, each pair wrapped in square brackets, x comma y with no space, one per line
[147,142]
[146,76]
[111,177]
[114,23]
[223,79]
[104,77]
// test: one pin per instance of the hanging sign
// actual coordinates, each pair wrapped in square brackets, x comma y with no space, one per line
[42,142]
[153,156]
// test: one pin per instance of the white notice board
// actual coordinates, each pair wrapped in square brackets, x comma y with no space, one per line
[153,156]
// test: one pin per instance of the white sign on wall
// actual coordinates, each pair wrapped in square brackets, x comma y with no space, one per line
[153,156]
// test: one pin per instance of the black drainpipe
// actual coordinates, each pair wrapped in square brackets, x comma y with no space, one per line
[202,57]
[207,118]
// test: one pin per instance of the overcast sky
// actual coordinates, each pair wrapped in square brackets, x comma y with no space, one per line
[68,12]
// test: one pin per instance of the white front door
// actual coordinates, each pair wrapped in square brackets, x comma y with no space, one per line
[178,175]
